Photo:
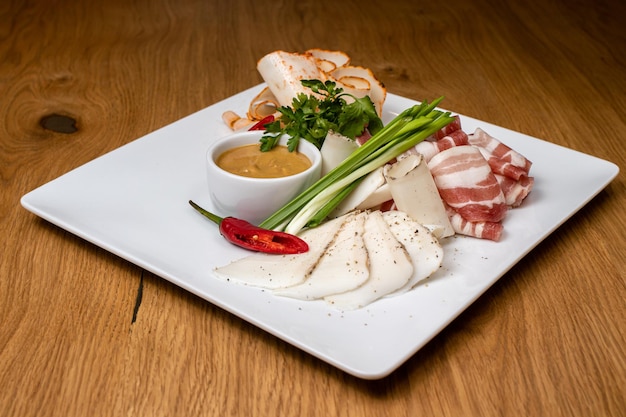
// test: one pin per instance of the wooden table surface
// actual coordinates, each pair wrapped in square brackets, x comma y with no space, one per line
[548,339]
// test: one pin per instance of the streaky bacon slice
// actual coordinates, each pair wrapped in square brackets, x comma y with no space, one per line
[449,128]
[430,148]
[481,230]
[498,166]
[515,191]
[456,138]
[502,159]
[467,184]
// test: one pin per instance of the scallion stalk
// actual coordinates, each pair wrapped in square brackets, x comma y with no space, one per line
[404,132]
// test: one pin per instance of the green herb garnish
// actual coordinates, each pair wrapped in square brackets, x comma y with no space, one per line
[311,117]
[405,131]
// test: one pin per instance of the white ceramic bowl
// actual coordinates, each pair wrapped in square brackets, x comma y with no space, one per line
[255,199]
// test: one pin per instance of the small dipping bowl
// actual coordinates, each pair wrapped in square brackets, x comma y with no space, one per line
[255,199]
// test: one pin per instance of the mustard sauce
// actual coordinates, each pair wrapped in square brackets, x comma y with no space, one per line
[249,161]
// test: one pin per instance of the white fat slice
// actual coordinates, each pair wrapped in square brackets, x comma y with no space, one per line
[335,149]
[343,267]
[415,193]
[277,271]
[368,185]
[423,248]
[390,266]
[381,195]
[283,71]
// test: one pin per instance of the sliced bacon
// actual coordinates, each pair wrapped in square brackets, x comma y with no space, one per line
[502,159]
[501,167]
[467,184]
[429,148]
[478,178]
[449,128]
[481,230]
[456,138]
[515,191]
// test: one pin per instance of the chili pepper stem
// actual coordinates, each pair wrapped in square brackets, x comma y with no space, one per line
[248,236]
[213,217]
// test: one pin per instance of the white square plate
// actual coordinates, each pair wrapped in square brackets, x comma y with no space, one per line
[133,202]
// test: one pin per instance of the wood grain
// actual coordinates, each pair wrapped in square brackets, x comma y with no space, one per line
[83,332]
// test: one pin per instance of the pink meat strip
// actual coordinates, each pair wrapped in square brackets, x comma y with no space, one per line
[467,184]
[481,230]
[449,128]
[515,191]
[502,159]
[464,177]
[430,148]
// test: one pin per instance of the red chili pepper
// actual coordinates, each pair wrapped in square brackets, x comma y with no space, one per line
[260,125]
[249,236]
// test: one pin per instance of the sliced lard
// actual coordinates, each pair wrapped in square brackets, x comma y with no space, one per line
[277,271]
[335,149]
[389,264]
[414,192]
[343,267]
[364,191]
[423,248]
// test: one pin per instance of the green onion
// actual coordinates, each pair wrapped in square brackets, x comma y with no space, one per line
[404,132]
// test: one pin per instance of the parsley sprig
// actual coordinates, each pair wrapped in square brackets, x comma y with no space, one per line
[311,116]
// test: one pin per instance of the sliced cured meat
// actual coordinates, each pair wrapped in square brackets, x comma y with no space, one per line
[277,271]
[449,128]
[481,230]
[390,266]
[428,149]
[335,149]
[498,166]
[515,191]
[342,267]
[414,192]
[467,184]
[502,159]
[456,138]
[423,248]
[365,190]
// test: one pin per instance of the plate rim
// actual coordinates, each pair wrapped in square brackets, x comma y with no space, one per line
[33,202]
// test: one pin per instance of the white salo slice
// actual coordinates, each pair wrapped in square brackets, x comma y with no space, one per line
[414,191]
[343,266]
[277,271]
[423,248]
[390,266]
